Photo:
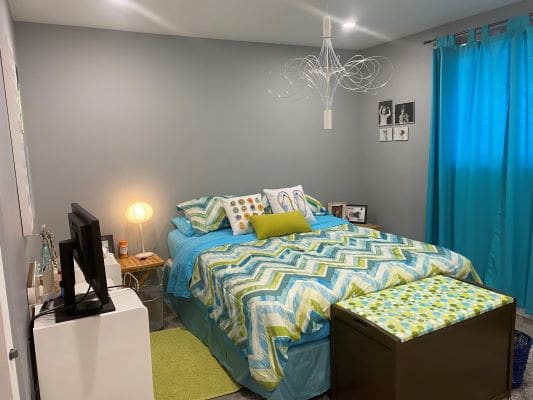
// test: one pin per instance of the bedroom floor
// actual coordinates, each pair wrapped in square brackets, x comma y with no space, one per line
[525,392]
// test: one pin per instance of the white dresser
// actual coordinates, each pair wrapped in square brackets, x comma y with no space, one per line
[101,357]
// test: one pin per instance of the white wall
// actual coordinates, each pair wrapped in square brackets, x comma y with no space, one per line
[15,255]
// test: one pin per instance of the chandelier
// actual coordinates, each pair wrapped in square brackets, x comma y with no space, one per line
[325,74]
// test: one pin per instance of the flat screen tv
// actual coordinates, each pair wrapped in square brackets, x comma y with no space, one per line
[84,246]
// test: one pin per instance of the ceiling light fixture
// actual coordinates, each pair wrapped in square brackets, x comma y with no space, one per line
[349,25]
[325,74]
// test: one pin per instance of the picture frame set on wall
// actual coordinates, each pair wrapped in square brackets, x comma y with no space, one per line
[393,126]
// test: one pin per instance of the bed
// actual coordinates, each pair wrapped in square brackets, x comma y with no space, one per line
[262,306]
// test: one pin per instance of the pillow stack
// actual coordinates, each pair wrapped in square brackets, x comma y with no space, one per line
[279,212]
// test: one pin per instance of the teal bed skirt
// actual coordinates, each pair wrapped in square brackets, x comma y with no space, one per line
[307,373]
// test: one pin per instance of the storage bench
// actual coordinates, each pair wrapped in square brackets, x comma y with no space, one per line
[437,338]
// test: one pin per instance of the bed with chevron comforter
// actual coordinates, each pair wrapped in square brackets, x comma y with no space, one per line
[269,294]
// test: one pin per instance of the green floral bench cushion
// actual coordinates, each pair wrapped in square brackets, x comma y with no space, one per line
[424,306]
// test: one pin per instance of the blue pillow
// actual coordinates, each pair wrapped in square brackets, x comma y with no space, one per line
[183,225]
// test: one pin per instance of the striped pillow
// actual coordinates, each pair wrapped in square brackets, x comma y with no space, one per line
[206,214]
[317,208]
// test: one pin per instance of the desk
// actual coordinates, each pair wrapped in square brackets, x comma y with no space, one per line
[105,356]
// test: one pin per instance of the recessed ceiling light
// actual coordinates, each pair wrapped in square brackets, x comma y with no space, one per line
[349,25]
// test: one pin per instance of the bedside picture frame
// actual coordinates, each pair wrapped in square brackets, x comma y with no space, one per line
[356,213]
[108,243]
[337,208]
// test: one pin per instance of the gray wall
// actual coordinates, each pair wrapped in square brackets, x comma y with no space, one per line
[394,182]
[14,247]
[114,117]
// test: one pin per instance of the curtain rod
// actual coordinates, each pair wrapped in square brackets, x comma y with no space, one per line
[494,25]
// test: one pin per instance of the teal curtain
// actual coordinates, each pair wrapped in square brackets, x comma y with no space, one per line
[480,183]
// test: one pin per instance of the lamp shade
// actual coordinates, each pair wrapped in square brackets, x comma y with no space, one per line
[139,212]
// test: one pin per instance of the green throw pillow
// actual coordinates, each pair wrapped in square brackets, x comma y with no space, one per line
[269,225]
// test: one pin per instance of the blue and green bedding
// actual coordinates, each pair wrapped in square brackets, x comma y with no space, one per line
[269,294]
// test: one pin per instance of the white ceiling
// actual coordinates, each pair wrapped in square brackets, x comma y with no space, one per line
[270,21]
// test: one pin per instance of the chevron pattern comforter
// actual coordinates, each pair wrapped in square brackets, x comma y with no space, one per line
[266,294]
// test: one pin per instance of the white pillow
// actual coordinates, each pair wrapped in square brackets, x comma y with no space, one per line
[289,199]
[240,209]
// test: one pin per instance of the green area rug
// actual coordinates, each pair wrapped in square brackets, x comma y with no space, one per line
[184,369]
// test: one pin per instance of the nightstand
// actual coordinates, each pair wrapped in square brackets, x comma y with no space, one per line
[151,293]
[133,265]
[371,226]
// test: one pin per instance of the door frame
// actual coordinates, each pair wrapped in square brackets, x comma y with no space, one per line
[5,331]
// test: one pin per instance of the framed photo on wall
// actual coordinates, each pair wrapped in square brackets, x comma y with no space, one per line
[108,244]
[401,133]
[356,213]
[337,209]
[385,110]
[385,134]
[404,113]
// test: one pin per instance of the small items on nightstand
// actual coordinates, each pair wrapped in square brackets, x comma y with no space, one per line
[138,213]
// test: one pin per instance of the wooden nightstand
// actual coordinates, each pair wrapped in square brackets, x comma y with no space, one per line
[133,264]
[371,226]
[150,294]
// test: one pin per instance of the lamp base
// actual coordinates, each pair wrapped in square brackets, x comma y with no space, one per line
[146,254]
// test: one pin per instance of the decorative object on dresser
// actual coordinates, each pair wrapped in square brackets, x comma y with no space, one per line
[438,338]
[356,214]
[139,213]
[385,134]
[404,113]
[401,133]
[337,208]
[385,110]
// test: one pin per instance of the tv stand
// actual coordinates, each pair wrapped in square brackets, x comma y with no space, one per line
[91,305]
[106,356]
[75,306]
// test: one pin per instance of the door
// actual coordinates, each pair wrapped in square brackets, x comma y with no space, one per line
[8,368]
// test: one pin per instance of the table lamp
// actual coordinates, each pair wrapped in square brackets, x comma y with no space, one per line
[138,213]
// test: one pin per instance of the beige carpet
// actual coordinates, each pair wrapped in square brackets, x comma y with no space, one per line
[184,369]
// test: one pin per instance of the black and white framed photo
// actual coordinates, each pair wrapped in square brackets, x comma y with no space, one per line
[337,209]
[404,113]
[108,245]
[385,134]
[401,133]
[385,110]
[356,213]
